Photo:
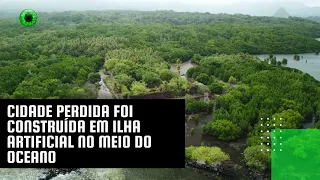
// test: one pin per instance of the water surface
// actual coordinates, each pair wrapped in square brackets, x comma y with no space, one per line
[183,67]
[309,62]
[104,91]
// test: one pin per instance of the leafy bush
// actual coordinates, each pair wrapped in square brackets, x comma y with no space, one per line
[94,77]
[232,80]
[194,106]
[256,158]
[203,78]
[223,129]
[216,88]
[204,153]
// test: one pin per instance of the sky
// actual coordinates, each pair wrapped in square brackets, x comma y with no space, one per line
[252,7]
[307,2]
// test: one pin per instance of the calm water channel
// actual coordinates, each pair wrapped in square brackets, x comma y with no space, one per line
[309,62]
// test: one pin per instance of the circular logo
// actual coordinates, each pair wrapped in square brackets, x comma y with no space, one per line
[28,17]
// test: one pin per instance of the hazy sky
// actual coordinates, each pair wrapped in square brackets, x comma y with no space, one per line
[259,7]
[308,2]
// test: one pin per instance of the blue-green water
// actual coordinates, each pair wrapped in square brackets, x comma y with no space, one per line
[309,62]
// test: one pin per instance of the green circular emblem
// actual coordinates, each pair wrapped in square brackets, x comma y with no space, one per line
[28,17]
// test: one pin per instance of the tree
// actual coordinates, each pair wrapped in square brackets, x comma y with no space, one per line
[256,158]
[216,88]
[151,79]
[271,56]
[195,106]
[110,63]
[273,61]
[203,78]
[232,80]
[52,84]
[288,119]
[166,75]
[82,76]
[196,58]
[201,88]
[94,77]
[178,84]
[139,88]
[4,96]
[121,68]
[224,130]
[317,125]
[204,153]
[123,79]
[124,91]
[193,72]
[221,114]
[284,61]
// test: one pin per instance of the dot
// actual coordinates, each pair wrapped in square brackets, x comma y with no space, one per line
[280,124]
[261,124]
[267,130]
[274,130]
[274,124]
[274,118]
[261,143]
[280,143]
[267,149]
[261,131]
[268,144]
[267,124]
[280,130]
[28,17]
[280,137]
[280,149]
[280,118]
[261,149]
[261,137]
[274,150]
[267,118]
[268,137]
[274,137]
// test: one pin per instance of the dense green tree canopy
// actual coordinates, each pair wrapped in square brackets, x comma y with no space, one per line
[288,97]
[59,56]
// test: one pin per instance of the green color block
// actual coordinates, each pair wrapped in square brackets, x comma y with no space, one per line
[295,154]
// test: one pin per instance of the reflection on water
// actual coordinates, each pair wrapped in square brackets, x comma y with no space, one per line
[135,174]
[234,149]
[106,174]
[183,67]
[309,62]
[104,91]
[163,174]
[21,174]
[196,138]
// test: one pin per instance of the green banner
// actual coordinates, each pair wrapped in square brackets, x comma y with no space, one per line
[295,154]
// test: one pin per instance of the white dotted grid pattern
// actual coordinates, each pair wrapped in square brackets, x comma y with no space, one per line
[266,140]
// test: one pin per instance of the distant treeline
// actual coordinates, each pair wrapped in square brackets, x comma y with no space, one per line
[314,18]
[64,50]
